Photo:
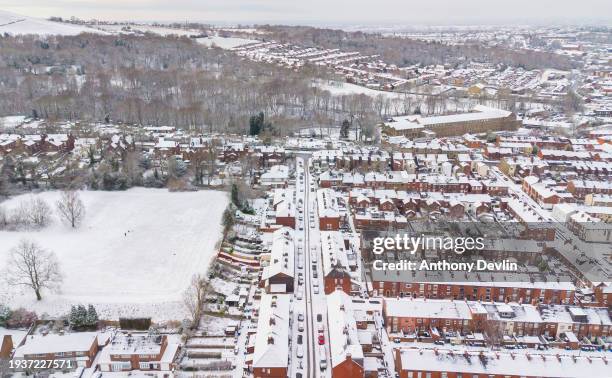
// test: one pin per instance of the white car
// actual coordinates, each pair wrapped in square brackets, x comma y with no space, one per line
[300,351]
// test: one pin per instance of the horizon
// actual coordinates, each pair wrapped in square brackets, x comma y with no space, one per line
[320,13]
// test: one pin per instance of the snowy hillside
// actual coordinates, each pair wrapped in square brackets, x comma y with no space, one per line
[15,24]
[134,254]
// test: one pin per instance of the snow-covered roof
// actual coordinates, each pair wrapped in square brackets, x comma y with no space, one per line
[504,364]
[343,334]
[281,254]
[276,173]
[333,252]
[479,113]
[328,203]
[427,308]
[43,344]
[272,337]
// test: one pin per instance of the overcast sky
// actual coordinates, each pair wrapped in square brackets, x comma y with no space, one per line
[322,12]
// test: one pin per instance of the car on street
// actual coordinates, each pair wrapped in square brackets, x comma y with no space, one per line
[300,351]
[321,339]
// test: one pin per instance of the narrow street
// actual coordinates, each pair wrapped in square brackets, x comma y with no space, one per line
[309,300]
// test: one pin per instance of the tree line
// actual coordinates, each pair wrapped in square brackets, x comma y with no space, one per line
[153,80]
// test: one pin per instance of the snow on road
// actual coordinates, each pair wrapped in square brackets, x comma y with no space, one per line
[134,254]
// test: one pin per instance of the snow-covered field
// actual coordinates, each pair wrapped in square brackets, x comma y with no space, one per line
[226,43]
[159,30]
[133,255]
[337,88]
[15,24]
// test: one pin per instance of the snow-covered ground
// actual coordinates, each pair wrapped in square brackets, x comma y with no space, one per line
[11,121]
[337,88]
[15,24]
[133,255]
[226,43]
[222,42]
[159,30]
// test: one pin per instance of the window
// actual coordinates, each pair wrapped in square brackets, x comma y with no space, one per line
[119,366]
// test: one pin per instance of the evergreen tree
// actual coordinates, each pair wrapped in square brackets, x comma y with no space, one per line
[257,124]
[74,317]
[344,129]
[5,315]
[92,316]
[235,196]
[81,313]
[228,219]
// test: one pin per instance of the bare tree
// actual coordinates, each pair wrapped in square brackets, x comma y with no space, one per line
[33,211]
[71,207]
[40,212]
[193,298]
[31,266]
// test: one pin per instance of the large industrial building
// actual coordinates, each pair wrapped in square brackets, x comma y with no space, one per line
[480,120]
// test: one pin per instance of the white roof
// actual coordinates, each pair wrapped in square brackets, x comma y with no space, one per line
[71,342]
[505,364]
[415,122]
[327,203]
[272,336]
[275,173]
[281,254]
[333,252]
[343,334]
[427,308]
